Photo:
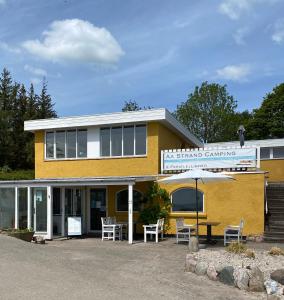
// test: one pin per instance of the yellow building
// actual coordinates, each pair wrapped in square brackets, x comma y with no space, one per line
[102,165]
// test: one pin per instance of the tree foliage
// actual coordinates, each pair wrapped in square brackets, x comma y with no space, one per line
[17,105]
[132,105]
[268,120]
[209,113]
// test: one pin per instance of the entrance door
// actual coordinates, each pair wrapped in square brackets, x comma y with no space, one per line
[40,209]
[97,208]
[73,204]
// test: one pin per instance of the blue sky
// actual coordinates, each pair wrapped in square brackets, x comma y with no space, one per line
[96,54]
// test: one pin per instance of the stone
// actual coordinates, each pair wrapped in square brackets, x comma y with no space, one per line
[226,275]
[242,279]
[271,286]
[256,280]
[278,275]
[212,273]
[193,244]
[190,263]
[201,268]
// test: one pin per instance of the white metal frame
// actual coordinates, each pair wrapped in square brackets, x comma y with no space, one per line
[154,229]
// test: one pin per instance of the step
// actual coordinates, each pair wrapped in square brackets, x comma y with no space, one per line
[279,234]
[273,239]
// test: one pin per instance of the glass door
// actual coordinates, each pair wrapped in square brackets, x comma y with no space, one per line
[40,209]
[97,208]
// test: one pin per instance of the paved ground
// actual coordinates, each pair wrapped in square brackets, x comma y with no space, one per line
[92,269]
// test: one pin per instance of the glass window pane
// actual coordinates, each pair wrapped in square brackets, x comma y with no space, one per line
[40,202]
[128,140]
[140,139]
[105,141]
[122,200]
[49,145]
[23,207]
[71,143]
[82,143]
[7,208]
[184,200]
[116,141]
[265,153]
[60,144]
[56,201]
[278,152]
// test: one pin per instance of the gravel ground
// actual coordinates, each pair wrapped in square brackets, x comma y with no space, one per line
[220,257]
[92,269]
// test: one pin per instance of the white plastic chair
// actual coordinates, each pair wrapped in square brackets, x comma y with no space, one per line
[154,229]
[183,231]
[233,233]
[110,231]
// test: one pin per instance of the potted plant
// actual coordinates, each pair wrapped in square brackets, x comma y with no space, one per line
[22,234]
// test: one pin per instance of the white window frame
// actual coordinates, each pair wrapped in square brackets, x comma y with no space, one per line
[65,145]
[188,211]
[122,144]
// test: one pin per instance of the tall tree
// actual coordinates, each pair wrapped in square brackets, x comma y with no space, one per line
[132,105]
[268,120]
[209,113]
[45,106]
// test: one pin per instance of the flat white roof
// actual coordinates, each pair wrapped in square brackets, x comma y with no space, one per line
[259,143]
[159,115]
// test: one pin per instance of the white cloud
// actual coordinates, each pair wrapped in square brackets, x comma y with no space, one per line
[76,40]
[6,47]
[234,72]
[278,35]
[35,71]
[239,36]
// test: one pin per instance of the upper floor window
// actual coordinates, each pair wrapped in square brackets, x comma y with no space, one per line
[184,199]
[265,153]
[123,140]
[278,152]
[271,152]
[66,143]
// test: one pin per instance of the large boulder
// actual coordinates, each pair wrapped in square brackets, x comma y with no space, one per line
[242,279]
[226,275]
[193,244]
[201,268]
[273,287]
[256,280]
[190,263]
[212,273]
[278,275]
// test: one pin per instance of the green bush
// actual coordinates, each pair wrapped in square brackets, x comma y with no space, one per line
[236,247]
[6,174]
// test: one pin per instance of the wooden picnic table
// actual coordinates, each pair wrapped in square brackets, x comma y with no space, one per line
[209,225]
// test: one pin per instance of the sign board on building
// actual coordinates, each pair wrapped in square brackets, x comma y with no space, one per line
[209,159]
[74,226]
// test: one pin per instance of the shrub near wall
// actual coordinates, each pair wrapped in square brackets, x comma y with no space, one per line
[17,175]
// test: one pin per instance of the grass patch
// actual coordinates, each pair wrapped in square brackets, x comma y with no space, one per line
[236,247]
[17,175]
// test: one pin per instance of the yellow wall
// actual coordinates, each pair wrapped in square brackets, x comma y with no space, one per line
[228,202]
[275,167]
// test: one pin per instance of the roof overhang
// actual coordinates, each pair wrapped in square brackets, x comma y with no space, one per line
[150,115]
[83,181]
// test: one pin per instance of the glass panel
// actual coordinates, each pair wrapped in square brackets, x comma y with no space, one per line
[116,141]
[122,200]
[49,144]
[264,153]
[278,152]
[105,141]
[68,202]
[7,208]
[40,200]
[56,211]
[128,140]
[82,143]
[77,202]
[140,139]
[184,200]
[71,143]
[23,207]
[60,144]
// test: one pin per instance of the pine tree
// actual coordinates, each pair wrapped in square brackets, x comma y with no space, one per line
[45,105]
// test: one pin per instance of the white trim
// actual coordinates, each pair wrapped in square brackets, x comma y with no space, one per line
[30,214]
[130,214]
[187,211]
[49,212]
[149,115]
[249,143]
[16,207]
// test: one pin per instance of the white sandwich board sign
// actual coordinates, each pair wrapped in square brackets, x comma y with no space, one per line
[74,226]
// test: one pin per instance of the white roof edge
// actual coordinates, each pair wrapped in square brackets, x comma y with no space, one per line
[260,143]
[159,114]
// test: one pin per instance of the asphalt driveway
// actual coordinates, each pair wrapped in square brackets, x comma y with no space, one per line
[92,269]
